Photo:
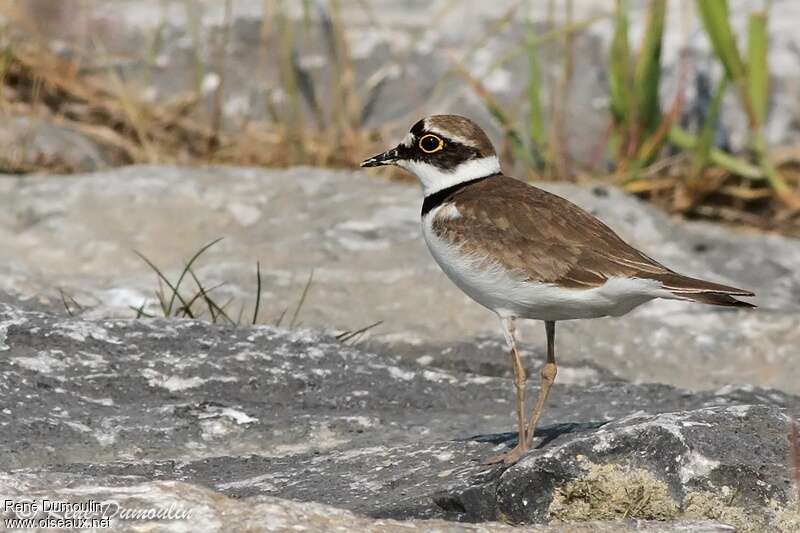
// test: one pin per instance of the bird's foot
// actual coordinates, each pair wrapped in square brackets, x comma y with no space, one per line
[508,458]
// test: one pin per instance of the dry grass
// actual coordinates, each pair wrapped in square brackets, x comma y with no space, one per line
[720,195]
[34,81]
[38,83]
[321,122]
[652,156]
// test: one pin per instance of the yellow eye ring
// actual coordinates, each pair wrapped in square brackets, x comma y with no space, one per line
[430,143]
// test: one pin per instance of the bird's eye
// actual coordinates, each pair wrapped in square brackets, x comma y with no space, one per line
[430,143]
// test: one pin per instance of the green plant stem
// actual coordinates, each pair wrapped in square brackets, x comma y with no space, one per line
[761,150]
[293,321]
[535,118]
[686,141]
[714,15]
[647,70]
[544,38]
[705,141]
[757,65]
[511,133]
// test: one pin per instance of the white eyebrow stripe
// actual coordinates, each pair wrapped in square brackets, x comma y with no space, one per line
[450,136]
[408,140]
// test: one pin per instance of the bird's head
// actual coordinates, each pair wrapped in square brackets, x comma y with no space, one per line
[442,151]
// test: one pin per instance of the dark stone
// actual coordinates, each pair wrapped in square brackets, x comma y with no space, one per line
[253,412]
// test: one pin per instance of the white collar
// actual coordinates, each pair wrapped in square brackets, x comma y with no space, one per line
[433,179]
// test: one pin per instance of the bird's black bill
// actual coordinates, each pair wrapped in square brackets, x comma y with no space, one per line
[386,158]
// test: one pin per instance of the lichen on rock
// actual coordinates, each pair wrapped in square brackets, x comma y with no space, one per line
[619,492]
[706,504]
[613,492]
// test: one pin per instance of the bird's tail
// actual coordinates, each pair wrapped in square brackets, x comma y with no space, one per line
[702,291]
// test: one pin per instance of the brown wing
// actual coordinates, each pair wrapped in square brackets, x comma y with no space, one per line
[542,236]
[548,239]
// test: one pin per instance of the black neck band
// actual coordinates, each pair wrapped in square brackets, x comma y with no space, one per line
[436,199]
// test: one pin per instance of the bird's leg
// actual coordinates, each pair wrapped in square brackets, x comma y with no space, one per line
[520,376]
[520,379]
[548,374]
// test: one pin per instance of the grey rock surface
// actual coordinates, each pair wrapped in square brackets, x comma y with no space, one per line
[35,143]
[220,514]
[360,235]
[153,412]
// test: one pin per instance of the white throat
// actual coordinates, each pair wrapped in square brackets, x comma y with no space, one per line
[434,179]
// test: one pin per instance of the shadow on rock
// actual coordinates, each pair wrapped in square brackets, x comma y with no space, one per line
[547,434]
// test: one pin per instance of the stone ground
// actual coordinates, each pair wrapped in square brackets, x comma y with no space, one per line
[674,418]
[361,237]
[232,422]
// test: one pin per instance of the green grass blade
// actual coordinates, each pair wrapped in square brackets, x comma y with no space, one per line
[201,293]
[348,335]
[64,302]
[214,309]
[167,310]
[258,293]
[543,38]
[186,270]
[686,141]
[714,16]
[293,321]
[783,191]
[162,298]
[279,320]
[140,312]
[292,116]
[757,64]
[618,67]
[705,140]
[647,75]
[531,157]
[535,118]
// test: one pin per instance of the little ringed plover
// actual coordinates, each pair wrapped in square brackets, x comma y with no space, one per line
[526,253]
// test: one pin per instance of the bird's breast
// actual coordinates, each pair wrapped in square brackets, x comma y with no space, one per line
[481,278]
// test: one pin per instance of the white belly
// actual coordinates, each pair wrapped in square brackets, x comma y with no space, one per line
[508,294]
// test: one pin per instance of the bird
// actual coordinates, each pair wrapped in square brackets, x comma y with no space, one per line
[525,253]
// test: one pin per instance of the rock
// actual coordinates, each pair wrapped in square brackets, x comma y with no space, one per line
[30,143]
[148,411]
[731,459]
[219,513]
[360,235]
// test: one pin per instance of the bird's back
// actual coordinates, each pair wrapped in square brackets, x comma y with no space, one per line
[548,239]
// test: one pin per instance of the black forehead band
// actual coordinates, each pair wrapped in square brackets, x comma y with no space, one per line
[419,129]
[453,154]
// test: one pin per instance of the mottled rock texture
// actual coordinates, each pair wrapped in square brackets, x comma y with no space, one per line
[151,411]
[361,237]
[215,513]
[264,429]
[32,143]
